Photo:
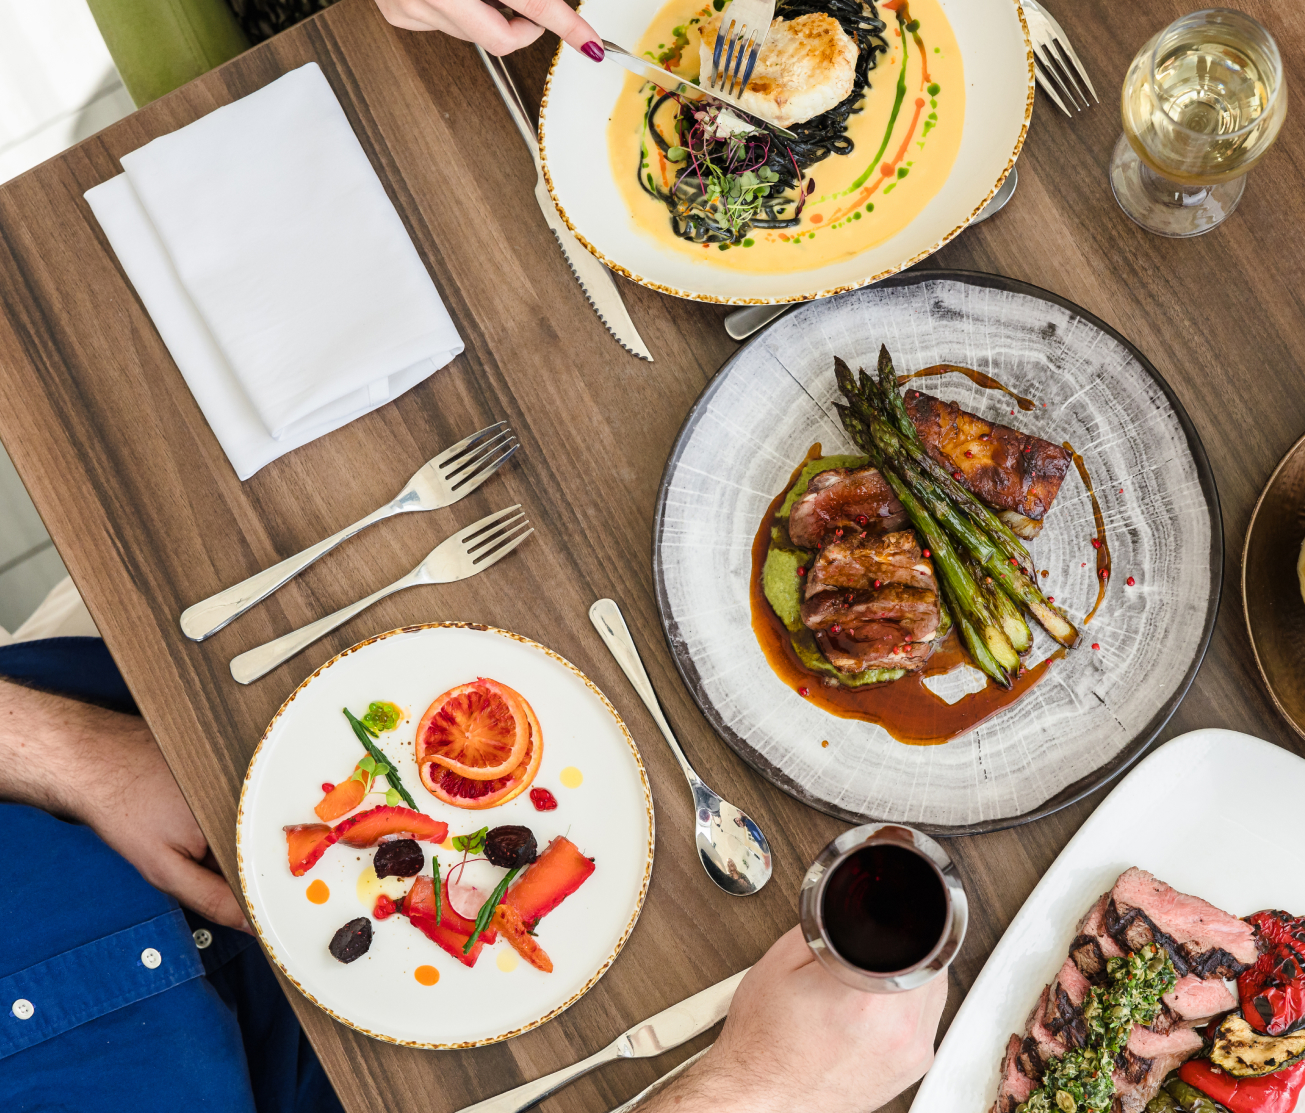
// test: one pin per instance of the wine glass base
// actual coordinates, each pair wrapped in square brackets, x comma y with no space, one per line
[1164,207]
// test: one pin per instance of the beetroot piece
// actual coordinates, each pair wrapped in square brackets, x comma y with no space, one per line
[511,847]
[353,940]
[399,858]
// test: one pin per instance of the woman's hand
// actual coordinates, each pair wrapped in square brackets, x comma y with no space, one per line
[481,23]
[104,769]
[797,1040]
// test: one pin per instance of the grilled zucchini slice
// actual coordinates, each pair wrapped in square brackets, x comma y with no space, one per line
[1242,1051]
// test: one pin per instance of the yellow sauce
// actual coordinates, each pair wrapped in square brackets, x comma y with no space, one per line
[571,777]
[370,887]
[859,200]
[508,960]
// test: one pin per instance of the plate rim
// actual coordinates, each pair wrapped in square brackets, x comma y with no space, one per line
[1299,446]
[715,299]
[1140,742]
[648,858]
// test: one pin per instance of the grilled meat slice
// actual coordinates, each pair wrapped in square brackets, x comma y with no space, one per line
[1063,1011]
[864,564]
[1200,938]
[1009,470]
[873,603]
[1016,1086]
[1147,1059]
[839,499]
[1195,1000]
[1049,1045]
[1093,944]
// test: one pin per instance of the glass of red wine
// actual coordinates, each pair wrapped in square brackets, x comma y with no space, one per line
[883,908]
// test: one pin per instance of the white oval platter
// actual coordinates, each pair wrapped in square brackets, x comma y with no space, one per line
[609,815]
[579,97]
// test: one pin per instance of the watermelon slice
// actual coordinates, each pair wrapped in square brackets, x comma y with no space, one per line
[557,873]
[307,842]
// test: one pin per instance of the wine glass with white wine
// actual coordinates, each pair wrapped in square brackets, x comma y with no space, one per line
[1202,103]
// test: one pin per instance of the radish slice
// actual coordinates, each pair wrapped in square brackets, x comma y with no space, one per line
[470,886]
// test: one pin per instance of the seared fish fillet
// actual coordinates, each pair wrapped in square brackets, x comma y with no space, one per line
[806,67]
[1009,470]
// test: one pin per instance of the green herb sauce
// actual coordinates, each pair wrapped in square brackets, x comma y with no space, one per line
[1082,1081]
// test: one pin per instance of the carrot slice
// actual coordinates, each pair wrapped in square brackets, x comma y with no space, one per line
[343,798]
[508,921]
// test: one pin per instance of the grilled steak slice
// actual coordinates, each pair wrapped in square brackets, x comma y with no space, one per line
[1201,939]
[866,563]
[873,603]
[1009,470]
[1093,944]
[1049,1045]
[1195,1000]
[1145,1062]
[1016,1086]
[840,499]
[1063,1015]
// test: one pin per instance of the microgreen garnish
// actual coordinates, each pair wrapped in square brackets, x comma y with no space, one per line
[473,843]
[486,912]
[365,735]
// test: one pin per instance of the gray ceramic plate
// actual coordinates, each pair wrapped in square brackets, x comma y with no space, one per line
[1096,711]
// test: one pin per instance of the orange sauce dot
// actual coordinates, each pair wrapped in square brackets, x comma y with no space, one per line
[426,975]
[318,892]
[816,218]
[824,744]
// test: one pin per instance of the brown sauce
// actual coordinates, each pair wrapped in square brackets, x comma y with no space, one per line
[1102,546]
[976,377]
[905,708]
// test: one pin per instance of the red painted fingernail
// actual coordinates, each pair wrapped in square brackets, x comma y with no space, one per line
[593,50]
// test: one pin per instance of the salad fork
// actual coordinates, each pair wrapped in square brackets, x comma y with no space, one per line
[459,557]
[743,30]
[440,482]
[1055,60]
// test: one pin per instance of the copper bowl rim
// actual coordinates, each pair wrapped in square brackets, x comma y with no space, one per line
[1298,447]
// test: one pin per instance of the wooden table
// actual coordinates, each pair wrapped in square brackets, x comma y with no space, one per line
[149,517]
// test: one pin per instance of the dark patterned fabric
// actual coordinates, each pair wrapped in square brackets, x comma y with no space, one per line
[261,19]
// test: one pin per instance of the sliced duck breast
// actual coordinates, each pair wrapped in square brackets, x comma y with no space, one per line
[853,500]
[867,563]
[1016,1086]
[1200,938]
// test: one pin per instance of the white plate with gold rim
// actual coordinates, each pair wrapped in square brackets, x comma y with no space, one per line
[590,764]
[988,64]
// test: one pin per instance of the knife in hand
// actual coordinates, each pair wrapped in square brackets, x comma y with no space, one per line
[668,1029]
[595,280]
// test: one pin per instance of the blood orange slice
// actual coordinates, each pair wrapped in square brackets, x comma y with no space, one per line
[478,731]
[463,792]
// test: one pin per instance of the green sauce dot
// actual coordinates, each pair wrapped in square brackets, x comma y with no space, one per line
[913,26]
[870,207]
[811,235]
[932,116]
[856,216]
[749,243]
[723,246]
[902,171]
[937,49]
[933,104]
[934,89]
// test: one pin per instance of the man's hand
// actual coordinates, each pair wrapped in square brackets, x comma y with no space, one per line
[104,769]
[481,23]
[797,1040]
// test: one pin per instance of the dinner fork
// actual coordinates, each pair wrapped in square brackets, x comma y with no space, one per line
[742,31]
[1055,60]
[440,482]
[459,557]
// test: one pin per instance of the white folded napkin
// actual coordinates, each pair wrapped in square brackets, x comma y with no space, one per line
[275,268]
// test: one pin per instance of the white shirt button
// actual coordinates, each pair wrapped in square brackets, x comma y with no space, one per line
[203,939]
[23,1009]
[150,958]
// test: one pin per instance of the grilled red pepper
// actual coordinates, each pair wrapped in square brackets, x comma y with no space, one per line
[1270,1093]
[1272,991]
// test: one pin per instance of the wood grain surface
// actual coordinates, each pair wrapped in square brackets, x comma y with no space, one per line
[149,517]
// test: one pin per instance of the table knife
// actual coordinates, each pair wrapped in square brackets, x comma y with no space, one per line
[668,1029]
[686,90]
[595,280]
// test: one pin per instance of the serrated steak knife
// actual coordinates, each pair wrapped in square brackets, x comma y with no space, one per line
[669,1028]
[595,279]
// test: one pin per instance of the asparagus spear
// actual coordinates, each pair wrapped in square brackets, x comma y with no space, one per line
[1003,609]
[982,515]
[979,544]
[982,635]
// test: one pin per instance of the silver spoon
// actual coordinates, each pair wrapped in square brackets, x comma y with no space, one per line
[742,323]
[733,850]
